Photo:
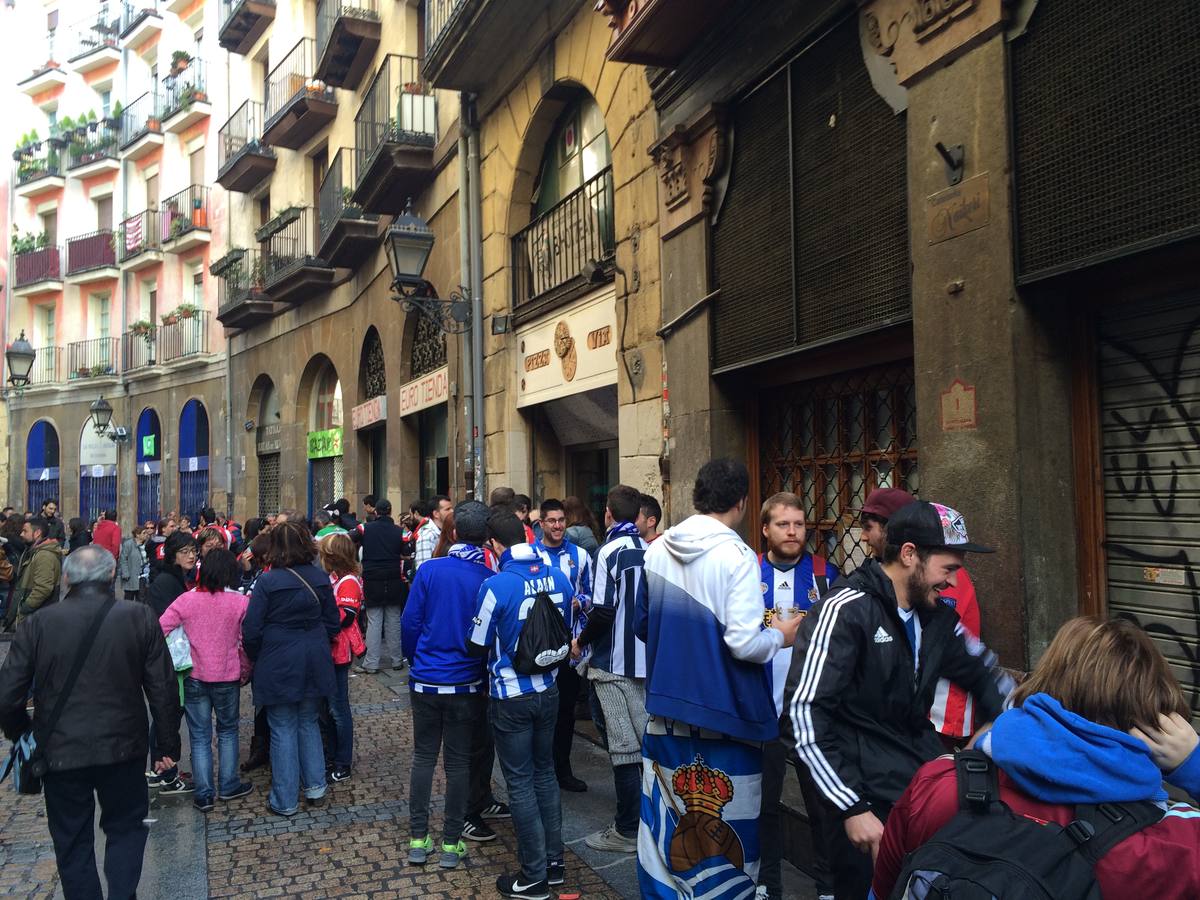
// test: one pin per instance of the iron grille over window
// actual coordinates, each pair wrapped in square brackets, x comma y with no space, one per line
[374,367]
[429,347]
[1106,103]
[819,157]
[833,441]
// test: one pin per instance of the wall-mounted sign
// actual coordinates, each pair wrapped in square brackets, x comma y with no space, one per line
[148,442]
[958,209]
[369,413]
[567,353]
[958,407]
[323,444]
[428,390]
[96,449]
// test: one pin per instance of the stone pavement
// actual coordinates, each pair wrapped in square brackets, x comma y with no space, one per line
[354,846]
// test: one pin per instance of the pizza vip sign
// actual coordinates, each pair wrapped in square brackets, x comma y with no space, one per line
[568,353]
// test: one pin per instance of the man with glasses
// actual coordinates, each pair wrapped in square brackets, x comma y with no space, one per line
[574,562]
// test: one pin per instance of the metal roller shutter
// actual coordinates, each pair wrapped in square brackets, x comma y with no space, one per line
[1149,371]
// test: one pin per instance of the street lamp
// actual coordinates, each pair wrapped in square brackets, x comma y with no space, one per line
[20,356]
[102,413]
[409,241]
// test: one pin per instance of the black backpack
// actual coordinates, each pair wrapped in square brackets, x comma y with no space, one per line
[545,640]
[987,852]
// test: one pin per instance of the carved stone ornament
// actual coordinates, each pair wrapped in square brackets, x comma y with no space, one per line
[690,159]
[916,34]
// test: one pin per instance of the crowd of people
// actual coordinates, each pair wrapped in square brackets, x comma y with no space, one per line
[710,673]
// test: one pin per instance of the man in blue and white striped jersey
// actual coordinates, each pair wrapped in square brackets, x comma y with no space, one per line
[523,708]
[617,670]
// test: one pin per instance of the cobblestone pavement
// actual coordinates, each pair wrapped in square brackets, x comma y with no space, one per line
[354,846]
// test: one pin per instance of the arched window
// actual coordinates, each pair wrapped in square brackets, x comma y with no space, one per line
[41,465]
[373,371]
[97,472]
[577,152]
[149,466]
[267,443]
[193,459]
[325,479]
[429,347]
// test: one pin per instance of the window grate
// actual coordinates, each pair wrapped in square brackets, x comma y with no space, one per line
[834,440]
[268,484]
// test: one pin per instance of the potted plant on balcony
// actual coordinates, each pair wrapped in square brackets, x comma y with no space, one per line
[187,310]
[113,119]
[179,224]
[142,328]
[180,60]
[170,318]
[92,123]
[83,372]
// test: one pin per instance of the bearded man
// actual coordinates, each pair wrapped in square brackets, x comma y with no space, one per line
[863,676]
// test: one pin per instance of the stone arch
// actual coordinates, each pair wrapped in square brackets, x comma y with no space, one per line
[372,366]
[317,366]
[262,404]
[43,461]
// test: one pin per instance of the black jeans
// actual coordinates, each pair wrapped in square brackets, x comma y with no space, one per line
[777,759]
[441,722]
[70,816]
[851,868]
[483,756]
[568,681]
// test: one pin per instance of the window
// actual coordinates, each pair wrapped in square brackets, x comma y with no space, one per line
[198,287]
[148,300]
[152,191]
[98,316]
[52,116]
[577,151]
[105,103]
[46,325]
[104,213]
[50,226]
[196,165]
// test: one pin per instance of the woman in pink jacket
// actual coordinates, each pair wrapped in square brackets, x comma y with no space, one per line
[211,616]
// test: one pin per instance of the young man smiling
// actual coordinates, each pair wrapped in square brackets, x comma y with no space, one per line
[861,688]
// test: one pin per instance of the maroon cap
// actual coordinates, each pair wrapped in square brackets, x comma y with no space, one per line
[886,502]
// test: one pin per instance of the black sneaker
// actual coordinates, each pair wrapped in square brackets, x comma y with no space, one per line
[178,786]
[572,784]
[477,830]
[556,873]
[242,790]
[204,805]
[516,886]
[497,810]
[339,775]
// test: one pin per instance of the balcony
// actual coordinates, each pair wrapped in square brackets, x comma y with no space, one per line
[47,366]
[93,149]
[476,45]
[243,160]
[92,257]
[242,300]
[141,127]
[39,169]
[298,105]
[43,79]
[140,23]
[347,38]
[185,220]
[292,270]
[96,358]
[140,241]
[395,131]
[37,271]
[549,255]
[94,42]
[243,23]
[348,234]
[185,98]
[147,345]
[658,32]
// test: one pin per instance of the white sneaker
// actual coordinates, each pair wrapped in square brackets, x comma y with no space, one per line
[611,840]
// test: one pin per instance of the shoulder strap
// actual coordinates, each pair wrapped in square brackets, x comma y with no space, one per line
[978,783]
[85,647]
[1101,827]
[307,586]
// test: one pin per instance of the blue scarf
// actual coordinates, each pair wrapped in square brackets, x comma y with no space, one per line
[622,529]
[469,552]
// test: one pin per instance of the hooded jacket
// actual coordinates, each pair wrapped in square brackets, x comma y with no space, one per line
[1051,759]
[701,617]
[857,710]
[37,578]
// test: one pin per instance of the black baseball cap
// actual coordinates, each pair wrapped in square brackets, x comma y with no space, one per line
[931,526]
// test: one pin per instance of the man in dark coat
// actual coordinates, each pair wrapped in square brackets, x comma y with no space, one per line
[97,747]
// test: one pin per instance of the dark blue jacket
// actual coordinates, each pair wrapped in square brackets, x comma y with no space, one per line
[436,622]
[287,633]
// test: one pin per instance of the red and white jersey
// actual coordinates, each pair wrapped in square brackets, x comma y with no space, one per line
[953,710]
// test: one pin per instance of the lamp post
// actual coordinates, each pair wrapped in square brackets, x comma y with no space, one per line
[20,357]
[409,241]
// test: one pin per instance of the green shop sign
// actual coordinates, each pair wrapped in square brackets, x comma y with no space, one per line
[323,444]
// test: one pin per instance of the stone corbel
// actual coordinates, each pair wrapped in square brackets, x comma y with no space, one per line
[690,160]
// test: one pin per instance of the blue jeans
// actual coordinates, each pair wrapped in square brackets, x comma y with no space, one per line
[343,721]
[297,758]
[524,728]
[201,699]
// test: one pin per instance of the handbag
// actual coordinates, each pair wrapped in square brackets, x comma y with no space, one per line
[26,762]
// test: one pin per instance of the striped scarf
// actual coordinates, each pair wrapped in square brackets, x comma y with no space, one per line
[469,552]
[622,529]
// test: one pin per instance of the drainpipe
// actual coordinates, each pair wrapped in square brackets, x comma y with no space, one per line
[126,278]
[476,237]
[229,420]
[467,439]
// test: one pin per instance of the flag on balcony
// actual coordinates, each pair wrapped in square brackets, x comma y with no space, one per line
[133,234]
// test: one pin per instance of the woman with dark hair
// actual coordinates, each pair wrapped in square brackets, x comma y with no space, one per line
[581,526]
[340,561]
[211,616]
[80,535]
[291,620]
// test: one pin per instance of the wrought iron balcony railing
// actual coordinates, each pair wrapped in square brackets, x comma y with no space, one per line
[88,252]
[334,200]
[438,16]
[399,107]
[92,33]
[92,359]
[44,264]
[242,133]
[292,79]
[140,233]
[184,212]
[159,344]
[289,244]
[38,161]
[47,366]
[91,143]
[141,117]
[183,89]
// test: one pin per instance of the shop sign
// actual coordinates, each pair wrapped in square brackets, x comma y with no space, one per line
[428,390]
[96,449]
[958,407]
[369,413]
[568,353]
[959,209]
[268,439]
[324,444]
[148,442]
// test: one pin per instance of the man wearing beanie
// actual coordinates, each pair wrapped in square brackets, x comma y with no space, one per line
[863,678]
[445,680]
